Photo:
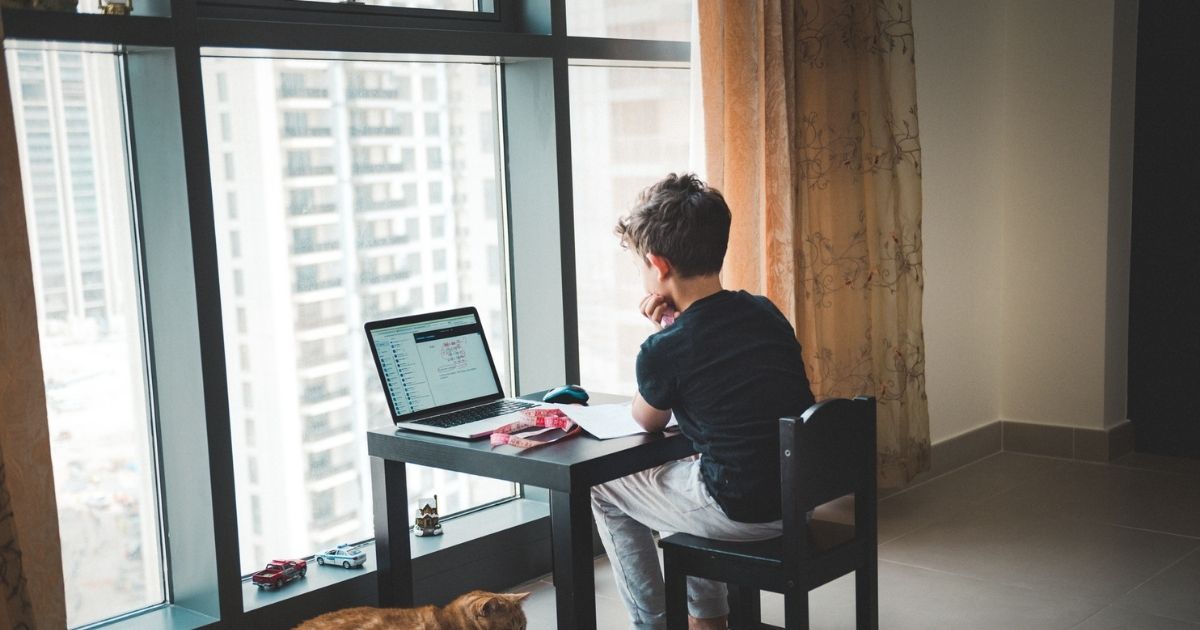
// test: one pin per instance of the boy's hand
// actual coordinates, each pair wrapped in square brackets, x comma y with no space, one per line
[655,307]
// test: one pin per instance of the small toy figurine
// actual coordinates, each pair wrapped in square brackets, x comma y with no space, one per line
[427,518]
[116,7]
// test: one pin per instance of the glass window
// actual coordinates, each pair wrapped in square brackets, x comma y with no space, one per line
[433,157]
[449,5]
[72,154]
[629,120]
[159,8]
[336,252]
[630,19]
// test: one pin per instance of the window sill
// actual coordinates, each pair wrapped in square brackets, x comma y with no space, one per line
[495,548]
[163,617]
[480,546]
[465,539]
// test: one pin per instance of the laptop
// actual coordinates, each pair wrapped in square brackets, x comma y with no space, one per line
[438,374]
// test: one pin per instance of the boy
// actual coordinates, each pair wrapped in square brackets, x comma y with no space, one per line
[729,366]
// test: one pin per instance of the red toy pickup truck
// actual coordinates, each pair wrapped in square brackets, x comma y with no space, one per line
[279,572]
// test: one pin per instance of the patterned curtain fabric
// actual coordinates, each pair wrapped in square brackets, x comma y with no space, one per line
[811,133]
[31,578]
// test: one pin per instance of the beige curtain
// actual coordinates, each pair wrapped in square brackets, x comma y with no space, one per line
[811,133]
[31,579]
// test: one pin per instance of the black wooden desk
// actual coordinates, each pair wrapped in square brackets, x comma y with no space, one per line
[567,469]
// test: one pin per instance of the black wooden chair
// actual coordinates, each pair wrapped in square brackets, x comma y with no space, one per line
[826,454]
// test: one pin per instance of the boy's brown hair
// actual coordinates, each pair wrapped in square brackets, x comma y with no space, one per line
[681,219]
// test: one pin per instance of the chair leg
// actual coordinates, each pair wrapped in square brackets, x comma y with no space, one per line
[676,592]
[745,608]
[795,609]
[866,593]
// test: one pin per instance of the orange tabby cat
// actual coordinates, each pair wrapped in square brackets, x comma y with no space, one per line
[477,610]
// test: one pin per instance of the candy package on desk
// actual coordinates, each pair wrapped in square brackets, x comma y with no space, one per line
[537,427]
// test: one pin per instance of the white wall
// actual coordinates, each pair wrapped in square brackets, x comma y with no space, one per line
[1026,210]
[960,53]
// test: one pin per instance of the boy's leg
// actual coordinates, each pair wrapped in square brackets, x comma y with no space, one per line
[634,560]
[669,498]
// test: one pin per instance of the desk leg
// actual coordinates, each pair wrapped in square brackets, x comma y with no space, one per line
[389,492]
[574,581]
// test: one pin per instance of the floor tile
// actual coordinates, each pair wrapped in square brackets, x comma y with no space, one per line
[1161,463]
[1011,541]
[540,608]
[540,612]
[919,599]
[1173,593]
[1113,618]
[1069,557]
[954,492]
[1144,499]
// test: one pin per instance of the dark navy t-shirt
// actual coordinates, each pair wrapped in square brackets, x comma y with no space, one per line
[730,368]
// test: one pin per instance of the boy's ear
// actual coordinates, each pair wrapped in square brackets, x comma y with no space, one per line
[661,265]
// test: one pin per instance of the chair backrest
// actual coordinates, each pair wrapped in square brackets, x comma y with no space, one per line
[825,454]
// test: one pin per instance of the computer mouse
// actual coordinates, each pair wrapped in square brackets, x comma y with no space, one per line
[567,394]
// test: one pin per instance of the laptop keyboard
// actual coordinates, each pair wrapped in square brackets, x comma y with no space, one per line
[490,410]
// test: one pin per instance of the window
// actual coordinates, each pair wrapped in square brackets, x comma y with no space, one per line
[451,5]
[433,157]
[91,327]
[310,361]
[342,191]
[630,19]
[629,119]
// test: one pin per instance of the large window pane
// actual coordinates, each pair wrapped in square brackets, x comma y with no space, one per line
[344,192]
[630,19]
[71,135]
[449,5]
[627,133]
[157,8]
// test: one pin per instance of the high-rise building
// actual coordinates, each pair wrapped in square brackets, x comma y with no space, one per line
[344,191]
[70,198]
[71,132]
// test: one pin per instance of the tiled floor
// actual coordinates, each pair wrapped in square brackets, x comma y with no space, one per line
[1014,542]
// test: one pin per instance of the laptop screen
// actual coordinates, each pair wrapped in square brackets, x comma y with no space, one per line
[433,363]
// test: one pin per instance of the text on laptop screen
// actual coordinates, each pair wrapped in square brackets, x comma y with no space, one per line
[434,363]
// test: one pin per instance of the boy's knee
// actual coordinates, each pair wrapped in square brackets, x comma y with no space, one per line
[604,498]
[598,496]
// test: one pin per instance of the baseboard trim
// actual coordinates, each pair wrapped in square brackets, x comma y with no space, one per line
[1089,445]
[956,452]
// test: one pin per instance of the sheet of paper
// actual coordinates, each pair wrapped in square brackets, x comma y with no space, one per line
[607,421]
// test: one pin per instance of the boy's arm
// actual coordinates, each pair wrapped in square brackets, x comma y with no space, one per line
[649,417]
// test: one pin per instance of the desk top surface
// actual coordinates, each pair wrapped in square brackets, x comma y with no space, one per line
[576,462]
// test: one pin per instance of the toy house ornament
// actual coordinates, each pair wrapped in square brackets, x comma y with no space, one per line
[116,7]
[427,518]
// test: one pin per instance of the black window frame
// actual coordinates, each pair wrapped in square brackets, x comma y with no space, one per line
[172,182]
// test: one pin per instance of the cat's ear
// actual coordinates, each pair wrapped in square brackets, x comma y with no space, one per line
[496,602]
[491,605]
